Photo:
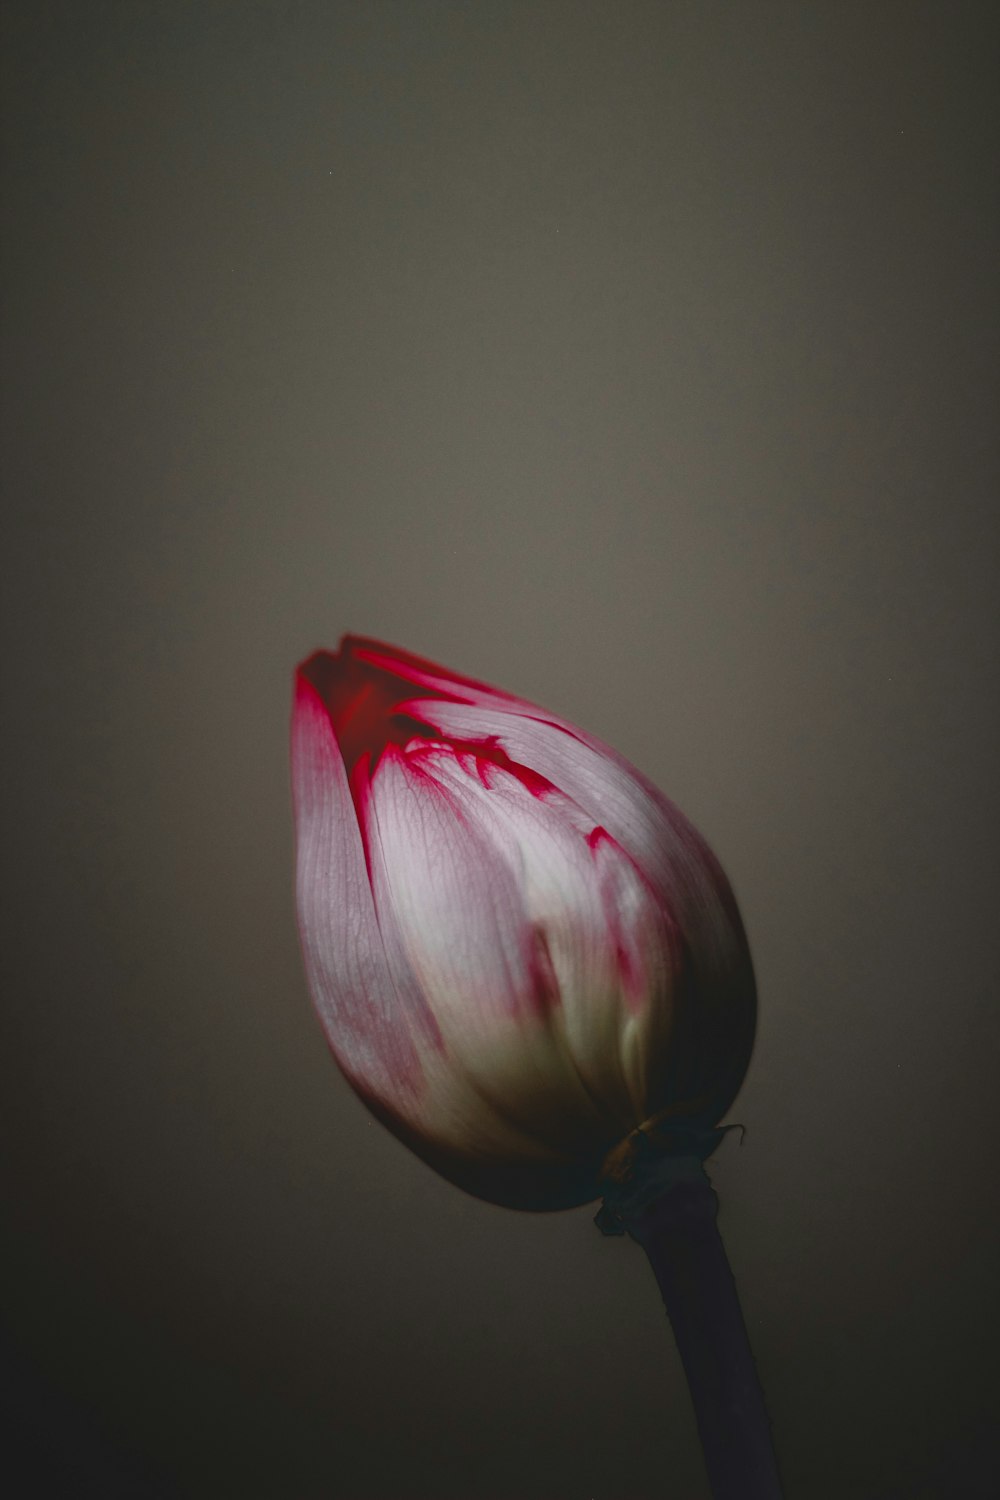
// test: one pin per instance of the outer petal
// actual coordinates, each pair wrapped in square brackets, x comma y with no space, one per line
[456,905]
[712,1041]
[426,674]
[602,783]
[503,1083]
[606,938]
[373,1017]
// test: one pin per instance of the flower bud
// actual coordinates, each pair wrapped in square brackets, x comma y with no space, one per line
[520,951]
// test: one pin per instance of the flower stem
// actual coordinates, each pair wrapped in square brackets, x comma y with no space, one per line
[680,1235]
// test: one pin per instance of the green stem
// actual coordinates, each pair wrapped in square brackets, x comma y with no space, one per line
[680,1235]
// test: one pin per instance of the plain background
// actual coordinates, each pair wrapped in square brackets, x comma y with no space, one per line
[640,358]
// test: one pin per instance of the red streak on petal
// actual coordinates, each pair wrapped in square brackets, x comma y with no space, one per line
[372,707]
[362,703]
[628,961]
[489,752]
[361,790]
[412,668]
[545,993]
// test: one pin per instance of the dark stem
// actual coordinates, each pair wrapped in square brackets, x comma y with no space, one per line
[679,1233]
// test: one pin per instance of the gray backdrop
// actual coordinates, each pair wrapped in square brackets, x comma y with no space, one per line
[640,358]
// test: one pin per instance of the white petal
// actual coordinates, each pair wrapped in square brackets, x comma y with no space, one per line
[373,1017]
[456,906]
[666,847]
[608,939]
[458,900]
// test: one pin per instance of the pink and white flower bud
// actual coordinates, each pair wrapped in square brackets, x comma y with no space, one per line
[519,949]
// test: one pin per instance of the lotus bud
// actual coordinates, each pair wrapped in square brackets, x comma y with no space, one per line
[525,958]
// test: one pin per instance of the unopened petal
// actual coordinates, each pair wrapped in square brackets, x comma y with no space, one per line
[456,906]
[372,1017]
[710,1050]
[607,937]
[459,903]
[596,778]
